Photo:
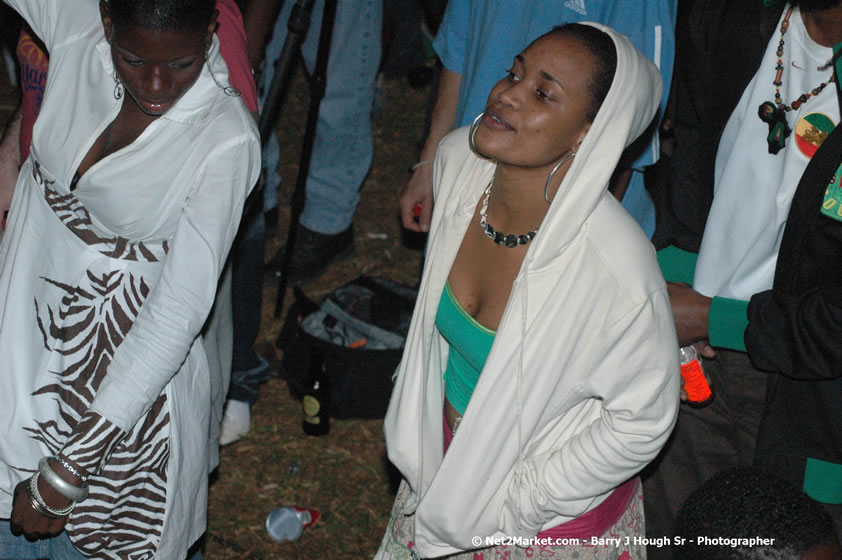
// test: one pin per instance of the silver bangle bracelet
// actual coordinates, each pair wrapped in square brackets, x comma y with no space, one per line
[73,470]
[415,166]
[66,489]
[39,509]
[39,505]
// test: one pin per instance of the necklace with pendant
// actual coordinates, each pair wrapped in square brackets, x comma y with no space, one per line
[773,113]
[508,239]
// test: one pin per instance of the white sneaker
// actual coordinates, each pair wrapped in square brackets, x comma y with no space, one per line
[235,422]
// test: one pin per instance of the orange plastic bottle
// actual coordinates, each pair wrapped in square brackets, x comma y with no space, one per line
[696,386]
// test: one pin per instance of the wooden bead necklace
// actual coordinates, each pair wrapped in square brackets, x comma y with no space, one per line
[774,112]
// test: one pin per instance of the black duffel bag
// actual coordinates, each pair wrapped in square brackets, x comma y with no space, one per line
[360,330]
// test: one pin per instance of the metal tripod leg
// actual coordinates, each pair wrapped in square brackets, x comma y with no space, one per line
[318,83]
[297,27]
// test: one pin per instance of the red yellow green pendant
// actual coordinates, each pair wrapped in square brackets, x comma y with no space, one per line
[773,113]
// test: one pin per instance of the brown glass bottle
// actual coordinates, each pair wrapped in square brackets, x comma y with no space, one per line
[316,402]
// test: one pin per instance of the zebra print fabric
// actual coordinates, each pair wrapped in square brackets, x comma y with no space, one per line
[76,217]
[82,324]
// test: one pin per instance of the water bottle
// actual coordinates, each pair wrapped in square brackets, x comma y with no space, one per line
[287,523]
[696,385]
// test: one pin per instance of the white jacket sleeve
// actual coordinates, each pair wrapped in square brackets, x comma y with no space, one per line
[56,21]
[176,307]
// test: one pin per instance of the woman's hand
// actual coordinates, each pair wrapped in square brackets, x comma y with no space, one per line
[690,312]
[28,522]
[705,350]
[418,193]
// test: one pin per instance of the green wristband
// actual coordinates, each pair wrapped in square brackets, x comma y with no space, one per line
[823,481]
[727,323]
[677,265]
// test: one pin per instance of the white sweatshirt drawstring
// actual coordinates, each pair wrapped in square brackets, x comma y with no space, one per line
[520,368]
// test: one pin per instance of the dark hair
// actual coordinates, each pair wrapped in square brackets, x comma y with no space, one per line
[601,46]
[815,5]
[745,502]
[161,15]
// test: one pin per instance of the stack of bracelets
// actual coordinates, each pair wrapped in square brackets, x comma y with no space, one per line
[70,491]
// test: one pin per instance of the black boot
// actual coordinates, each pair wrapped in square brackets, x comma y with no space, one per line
[313,252]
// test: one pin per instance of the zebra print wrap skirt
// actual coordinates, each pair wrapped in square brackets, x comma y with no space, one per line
[69,293]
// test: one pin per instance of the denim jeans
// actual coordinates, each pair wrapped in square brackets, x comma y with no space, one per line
[343,147]
[18,548]
[55,548]
[248,370]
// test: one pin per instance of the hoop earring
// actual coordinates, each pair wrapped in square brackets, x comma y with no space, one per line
[118,87]
[474,126]
[564,160]
[228,90]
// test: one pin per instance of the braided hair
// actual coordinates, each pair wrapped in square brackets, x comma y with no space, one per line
[815,5]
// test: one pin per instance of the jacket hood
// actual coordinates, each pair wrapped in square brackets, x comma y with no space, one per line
[626,113]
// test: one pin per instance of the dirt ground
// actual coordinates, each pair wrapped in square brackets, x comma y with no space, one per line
[345,474]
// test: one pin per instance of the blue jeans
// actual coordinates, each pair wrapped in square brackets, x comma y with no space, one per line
[248,369]
[343,147]
[18,548]
[55,548]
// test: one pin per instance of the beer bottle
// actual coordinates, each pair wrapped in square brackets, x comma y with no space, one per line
[316,401]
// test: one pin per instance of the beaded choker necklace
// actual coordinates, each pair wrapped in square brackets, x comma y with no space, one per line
[508,239]
[774,112]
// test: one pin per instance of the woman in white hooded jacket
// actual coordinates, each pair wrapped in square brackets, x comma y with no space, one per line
[580,387]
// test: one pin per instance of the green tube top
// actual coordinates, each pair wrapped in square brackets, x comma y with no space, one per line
[470,343]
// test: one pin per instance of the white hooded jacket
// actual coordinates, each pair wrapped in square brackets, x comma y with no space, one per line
[580,388]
